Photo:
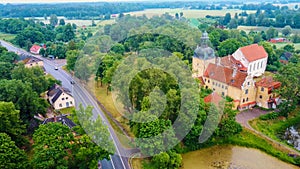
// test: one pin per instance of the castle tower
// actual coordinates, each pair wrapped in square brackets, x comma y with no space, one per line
[203,55]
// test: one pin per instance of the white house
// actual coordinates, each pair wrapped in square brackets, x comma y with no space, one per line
[254,58]
[60,97]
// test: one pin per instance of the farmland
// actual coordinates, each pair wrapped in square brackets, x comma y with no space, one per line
[188,13]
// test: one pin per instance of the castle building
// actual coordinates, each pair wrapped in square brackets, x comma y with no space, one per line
[234,75]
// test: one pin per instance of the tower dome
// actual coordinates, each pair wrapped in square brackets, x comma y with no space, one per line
[203,51]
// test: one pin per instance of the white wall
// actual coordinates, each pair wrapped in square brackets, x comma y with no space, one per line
[62,101]
[238,55]
[258,67]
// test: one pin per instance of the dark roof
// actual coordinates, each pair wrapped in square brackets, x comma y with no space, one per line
[56,91]
[63,119]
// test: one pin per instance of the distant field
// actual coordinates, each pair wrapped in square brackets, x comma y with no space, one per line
[188,13]
[77,22]
[7,37]
[279,45]
[290,5]
[261,28]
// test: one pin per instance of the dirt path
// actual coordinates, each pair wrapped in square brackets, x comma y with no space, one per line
[244,117]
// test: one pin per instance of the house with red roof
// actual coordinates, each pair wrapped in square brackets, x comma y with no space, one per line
[35,49]
[254,58]
[266,97]
[233,83]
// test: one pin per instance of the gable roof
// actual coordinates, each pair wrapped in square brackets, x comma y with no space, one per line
[268,82]
[63,119]
[35,49]
[225,75]
[230,62]
[55,91]
[253,52]
[213,98]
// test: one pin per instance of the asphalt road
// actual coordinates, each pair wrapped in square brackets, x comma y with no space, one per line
[81,95]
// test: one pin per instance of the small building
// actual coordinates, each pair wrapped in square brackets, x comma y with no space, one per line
[266,97]
[278,40]
[285,57]
[33,61]
[60,97]
[60,119]
[213,98]
[254,58]
[35,49]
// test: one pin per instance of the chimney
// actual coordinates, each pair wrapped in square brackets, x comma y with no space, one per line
[234,71]
[219,61]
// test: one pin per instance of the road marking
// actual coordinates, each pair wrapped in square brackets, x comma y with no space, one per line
[109,127]
[112,163]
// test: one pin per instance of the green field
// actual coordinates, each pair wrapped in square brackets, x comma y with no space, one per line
[262,28]
[188,13]
[280,45]
[7,37]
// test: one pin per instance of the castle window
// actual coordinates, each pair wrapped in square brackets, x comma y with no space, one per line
[213,83]
[247,99]
[260,96]
[222,86]
[262,89]
[243,100]
[248,83]
[250,69]
[246,91]
[223,94]
[63,98]
[208,81]
[60,105]
[257,65]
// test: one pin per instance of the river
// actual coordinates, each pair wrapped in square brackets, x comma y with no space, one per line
[232,157]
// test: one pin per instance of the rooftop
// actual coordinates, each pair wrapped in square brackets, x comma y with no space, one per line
[253,52]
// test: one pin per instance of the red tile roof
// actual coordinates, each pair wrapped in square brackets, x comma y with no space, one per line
[35,49]
[254,52]
[213,98]
[268,82]
[201,80]
[225,75]
[230,62]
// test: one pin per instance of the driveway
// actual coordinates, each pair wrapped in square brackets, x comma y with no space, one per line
[244,117]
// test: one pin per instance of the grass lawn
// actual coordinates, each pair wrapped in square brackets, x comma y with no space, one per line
[274,128]
[7,37]
[106,100]
[188,13]
[68,110]
[262,28]
[280,45]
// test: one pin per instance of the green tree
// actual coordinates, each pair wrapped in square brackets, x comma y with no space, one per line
[273,59]
[35,76]
[68,33]
[5,70]
[10,155]
[62,22]
[297,20]
[271,33]
[23,97]
[118,48]
[71,59]
[227,18]
[52,142]
[167,160]
[233,24]
[228,47]
[289,76]
[53,20]
[10,122]
[286,30]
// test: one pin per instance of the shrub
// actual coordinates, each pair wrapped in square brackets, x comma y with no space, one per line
[269,116]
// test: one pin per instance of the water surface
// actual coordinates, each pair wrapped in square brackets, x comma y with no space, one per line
[232,157]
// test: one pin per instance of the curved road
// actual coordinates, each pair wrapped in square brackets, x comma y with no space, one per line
[81,95]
